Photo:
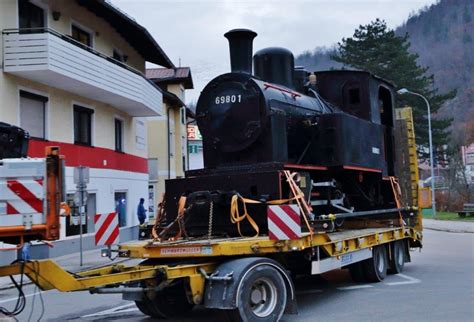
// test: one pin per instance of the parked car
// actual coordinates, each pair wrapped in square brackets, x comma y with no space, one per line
[440,182]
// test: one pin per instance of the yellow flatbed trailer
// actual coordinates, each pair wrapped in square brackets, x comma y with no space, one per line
[250,278]
[219,273]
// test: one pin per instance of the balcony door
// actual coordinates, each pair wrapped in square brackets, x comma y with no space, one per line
[31,16]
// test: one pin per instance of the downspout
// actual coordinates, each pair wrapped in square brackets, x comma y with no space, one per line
[169,143]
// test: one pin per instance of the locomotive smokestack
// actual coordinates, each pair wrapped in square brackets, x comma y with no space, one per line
[240,45]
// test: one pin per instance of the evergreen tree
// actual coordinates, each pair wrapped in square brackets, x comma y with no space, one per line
[377,49]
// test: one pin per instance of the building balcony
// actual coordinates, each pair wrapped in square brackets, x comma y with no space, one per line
[51,58]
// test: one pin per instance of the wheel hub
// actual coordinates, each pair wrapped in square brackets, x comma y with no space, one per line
[263,297]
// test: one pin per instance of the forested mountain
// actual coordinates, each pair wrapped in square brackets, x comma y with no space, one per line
[443,36]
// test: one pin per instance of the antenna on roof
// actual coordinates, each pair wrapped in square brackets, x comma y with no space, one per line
[179,62]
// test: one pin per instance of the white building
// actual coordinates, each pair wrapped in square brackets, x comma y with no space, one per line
[73,75]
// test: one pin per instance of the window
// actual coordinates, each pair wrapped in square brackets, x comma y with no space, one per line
[354,97]
[183,115]
[121,207]
[172,144]
[82,125]
[153,169]
[31,16]
[33,114]
[81,36]
[118,135]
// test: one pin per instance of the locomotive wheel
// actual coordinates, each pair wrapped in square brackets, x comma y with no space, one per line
[397,262]
[262,296]
[169,303]
[375,268]
[357,273]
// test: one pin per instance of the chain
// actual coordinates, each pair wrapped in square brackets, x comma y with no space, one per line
[211,213]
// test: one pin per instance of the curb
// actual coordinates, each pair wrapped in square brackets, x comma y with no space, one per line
[450,230]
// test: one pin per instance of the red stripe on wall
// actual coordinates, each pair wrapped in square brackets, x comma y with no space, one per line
[93,157]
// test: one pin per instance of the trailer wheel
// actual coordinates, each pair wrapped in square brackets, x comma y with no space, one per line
[397,262]
[375,268]
[261,296]
[144,307]
[357,273]
[169,303]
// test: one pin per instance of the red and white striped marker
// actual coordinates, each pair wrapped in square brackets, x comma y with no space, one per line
[106,229]
[24,196]
[284,222]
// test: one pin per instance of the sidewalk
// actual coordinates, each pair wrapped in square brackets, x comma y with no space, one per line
[449,226]
[91,259]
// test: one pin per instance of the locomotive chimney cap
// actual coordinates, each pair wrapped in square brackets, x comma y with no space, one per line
[240,32]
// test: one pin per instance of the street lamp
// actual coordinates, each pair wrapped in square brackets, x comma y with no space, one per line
[433,203]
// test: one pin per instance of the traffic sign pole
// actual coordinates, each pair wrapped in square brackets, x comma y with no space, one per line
[81,179]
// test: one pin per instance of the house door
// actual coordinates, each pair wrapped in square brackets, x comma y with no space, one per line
[121,207]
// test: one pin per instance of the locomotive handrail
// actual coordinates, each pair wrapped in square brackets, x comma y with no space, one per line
[284,90]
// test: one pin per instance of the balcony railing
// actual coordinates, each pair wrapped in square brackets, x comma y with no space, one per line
[49,57]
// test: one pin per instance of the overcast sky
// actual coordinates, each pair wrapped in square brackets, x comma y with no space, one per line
[192,31]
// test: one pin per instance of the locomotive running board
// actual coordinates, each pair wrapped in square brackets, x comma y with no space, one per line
[328,264]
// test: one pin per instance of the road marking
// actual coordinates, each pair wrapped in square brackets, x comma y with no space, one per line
[118,309]
[354,287]
[410,280]
[16,297]
[308,292]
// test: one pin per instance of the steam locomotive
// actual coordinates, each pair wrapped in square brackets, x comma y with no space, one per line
[332,129]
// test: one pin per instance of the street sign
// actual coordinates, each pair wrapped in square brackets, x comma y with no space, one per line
[77,198]
[75,219]
[81,175]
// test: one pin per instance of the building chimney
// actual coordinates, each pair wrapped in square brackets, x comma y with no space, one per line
[240,46]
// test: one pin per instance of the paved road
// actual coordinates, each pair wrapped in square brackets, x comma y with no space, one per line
[437,286]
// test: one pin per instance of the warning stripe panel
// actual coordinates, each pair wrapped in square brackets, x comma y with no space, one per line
[283,222]
[11,210]
[107,229]
[103,227]
[287,213]
[282,225]
[22,199]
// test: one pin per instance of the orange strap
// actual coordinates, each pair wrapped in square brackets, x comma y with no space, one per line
[237,218]
[159,217]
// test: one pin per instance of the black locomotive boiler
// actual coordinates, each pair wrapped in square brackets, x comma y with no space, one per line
[333,130]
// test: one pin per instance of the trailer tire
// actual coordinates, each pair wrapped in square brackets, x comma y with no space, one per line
[261,296]
[357,273]
[144,307]
[375,268]
[397,262]
[168,303]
